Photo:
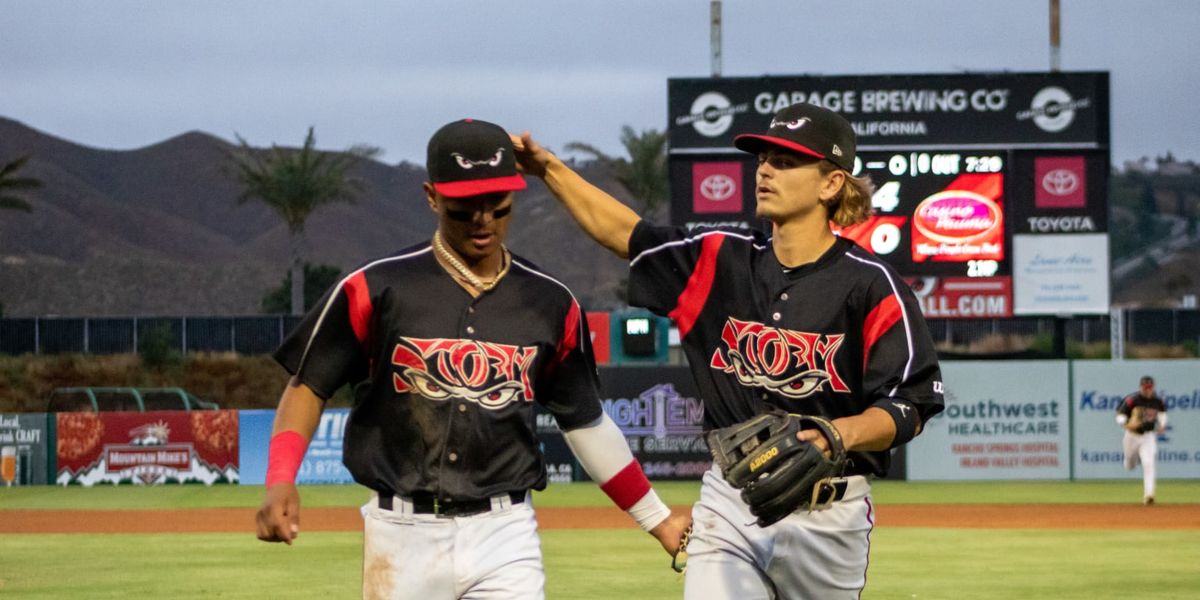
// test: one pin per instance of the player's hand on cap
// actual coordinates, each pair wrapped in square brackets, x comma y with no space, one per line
[278,518]
[670,532]
[532,158]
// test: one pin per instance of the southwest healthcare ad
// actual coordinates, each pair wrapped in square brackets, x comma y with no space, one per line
[147,448]
[1100,387]
[1003,420]
[323,461]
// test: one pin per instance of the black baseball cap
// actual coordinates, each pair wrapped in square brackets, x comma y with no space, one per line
[472,157]
[1147,379]
[806,129]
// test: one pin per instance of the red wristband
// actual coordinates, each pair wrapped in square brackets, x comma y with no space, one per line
[284,456]
[627,486]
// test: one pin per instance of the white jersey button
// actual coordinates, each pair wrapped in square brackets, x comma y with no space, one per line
[783,296]
[776,316]
[462,408]
[470,329]
[453,456]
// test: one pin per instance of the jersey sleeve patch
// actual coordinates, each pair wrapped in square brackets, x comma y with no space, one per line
[699,285]
[879,321]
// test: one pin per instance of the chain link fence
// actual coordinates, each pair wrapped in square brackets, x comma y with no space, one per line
[115,335]
[262,334]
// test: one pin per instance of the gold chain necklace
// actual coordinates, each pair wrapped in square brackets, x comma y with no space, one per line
[466,273]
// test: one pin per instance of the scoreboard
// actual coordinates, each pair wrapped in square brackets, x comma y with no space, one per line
[990,189]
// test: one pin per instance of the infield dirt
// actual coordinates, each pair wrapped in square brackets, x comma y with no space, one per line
[982,516]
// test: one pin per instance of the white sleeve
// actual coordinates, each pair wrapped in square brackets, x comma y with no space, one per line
[603,452]
[1161,419]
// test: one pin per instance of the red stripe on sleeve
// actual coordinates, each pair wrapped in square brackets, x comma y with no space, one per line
[627,486]
[882,317]
[359,299]
[695,294]
[570,337]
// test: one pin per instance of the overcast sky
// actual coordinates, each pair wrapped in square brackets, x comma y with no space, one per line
[119,74]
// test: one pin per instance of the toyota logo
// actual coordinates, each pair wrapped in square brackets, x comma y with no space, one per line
[717,187]
[1060,182]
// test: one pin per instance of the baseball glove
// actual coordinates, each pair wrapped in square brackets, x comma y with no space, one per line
[1136,420]
[777,473]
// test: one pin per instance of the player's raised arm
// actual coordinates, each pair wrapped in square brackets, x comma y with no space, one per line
[603,217]
[299,413]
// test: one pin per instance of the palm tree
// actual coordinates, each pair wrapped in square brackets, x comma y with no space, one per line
[644,173]
[9,182]
[294,183]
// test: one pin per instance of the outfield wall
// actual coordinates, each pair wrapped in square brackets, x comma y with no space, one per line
[1053,420]
[1004,420]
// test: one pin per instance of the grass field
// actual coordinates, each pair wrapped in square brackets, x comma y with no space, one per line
[625,564]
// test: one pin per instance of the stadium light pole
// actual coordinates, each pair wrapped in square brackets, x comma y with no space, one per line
[1055,37]
[714,13]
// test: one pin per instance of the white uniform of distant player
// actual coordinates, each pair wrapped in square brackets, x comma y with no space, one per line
[1142,446]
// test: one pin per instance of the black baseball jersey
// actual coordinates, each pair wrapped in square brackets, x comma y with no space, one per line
[1150,408]
[443,383]
[830,338]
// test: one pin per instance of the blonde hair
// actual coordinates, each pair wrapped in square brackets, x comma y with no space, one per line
[852,204]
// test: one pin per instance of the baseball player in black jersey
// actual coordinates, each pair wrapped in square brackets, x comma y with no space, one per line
[799,320]
[1143,415]
[447,345]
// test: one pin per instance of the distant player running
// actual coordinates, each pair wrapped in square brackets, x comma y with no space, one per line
[1143,415]
[447,345]
[801,321]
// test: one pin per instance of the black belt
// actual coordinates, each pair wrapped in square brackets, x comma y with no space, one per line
[425,503]
[833,492]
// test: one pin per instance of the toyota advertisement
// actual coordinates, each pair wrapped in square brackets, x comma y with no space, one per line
[961,164]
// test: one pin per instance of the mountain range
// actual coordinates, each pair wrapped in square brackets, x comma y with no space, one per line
[160,230]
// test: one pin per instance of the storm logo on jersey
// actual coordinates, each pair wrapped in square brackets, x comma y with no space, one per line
[491,375]
[794,364]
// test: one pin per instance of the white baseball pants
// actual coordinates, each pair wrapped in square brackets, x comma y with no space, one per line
[1142,448]
[822,554]
[494,555]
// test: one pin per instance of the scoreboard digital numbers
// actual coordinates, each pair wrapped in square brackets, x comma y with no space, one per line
[937,213]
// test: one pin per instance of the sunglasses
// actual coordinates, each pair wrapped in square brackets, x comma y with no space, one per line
[466,216]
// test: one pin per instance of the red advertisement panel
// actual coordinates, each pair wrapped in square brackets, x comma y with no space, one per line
[598,323]
[963,222]
[963,297]
[147,448]
[717,187]
[879,234]
[1060,182]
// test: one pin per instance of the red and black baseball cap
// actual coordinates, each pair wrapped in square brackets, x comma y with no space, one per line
[806,129]
[472,157]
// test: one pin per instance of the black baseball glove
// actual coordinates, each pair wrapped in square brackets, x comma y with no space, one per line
[777,473]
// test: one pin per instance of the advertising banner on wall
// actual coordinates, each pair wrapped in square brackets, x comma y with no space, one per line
[662,417]
[23,446]
[323,461]
[1003,420]
[1100,387]
[147,448]
[1009,109]
[1060,274]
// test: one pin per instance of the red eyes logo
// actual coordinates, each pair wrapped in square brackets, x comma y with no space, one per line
[794,364]
[491,375]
